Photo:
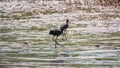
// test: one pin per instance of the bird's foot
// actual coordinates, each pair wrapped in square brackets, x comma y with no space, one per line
[64,39]
[56,44]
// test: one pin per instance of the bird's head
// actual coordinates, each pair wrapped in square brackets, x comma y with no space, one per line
[62,30]
[67,21]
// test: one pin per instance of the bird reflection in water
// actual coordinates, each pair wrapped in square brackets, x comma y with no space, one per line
[59,57]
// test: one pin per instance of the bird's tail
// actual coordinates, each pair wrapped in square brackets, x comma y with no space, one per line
[50,32]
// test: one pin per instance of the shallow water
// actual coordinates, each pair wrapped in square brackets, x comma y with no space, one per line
[93,40]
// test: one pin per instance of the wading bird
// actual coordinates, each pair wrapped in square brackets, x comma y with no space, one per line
[56,33]
[64,27]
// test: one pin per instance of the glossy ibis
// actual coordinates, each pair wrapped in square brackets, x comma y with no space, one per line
[56,33]
[64,27]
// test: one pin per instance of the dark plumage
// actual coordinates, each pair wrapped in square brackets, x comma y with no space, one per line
[64,27]
[55,33]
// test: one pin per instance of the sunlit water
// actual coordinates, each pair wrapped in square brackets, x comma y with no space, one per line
[93,40]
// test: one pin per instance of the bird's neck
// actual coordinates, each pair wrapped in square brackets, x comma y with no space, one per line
[62,30]
[67,22]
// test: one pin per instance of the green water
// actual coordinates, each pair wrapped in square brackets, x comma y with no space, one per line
[79,51]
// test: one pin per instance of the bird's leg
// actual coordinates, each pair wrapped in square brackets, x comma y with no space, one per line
[55,45]
[56,40]
[65,34]
[53,38]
